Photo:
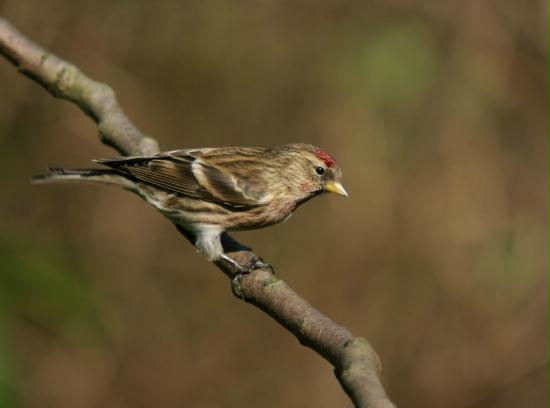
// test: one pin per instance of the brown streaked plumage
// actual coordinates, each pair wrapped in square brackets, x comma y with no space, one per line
[211,190]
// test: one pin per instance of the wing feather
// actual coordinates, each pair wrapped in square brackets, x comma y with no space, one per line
[212,174]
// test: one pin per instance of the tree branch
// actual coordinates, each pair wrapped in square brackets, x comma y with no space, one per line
[357,366]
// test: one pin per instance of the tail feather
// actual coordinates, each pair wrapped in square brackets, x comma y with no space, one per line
[102,176]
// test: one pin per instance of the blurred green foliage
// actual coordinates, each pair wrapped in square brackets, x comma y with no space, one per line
[38,282]
[9,394]
[506,254]
[396,65]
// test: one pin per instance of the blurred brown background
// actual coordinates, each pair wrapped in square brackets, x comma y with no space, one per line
[437,113]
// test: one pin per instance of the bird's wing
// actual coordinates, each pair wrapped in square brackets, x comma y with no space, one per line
[215,175]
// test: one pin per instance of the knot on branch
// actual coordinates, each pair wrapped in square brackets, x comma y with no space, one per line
[358,372]
[358,352]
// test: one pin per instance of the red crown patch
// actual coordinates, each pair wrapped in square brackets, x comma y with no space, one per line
[328,160]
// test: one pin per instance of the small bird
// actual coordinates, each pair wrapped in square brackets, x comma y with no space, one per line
[208,191]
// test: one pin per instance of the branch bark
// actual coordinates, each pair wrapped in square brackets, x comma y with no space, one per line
[356,364]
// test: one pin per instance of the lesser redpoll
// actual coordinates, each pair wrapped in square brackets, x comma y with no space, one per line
[211,190]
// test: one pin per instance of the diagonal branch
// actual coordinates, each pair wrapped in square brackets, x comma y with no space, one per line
[356,365]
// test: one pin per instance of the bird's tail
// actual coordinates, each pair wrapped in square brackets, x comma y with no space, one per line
[94,176]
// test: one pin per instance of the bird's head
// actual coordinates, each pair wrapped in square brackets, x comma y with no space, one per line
[312,171]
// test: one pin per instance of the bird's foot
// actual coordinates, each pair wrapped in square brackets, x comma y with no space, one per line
[256,263]
[241,270]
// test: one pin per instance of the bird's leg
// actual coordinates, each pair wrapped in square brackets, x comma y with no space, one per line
[234,264]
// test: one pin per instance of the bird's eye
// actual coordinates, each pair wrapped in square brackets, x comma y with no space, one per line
[319,170]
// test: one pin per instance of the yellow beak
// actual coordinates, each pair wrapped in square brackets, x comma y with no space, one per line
[335,187]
